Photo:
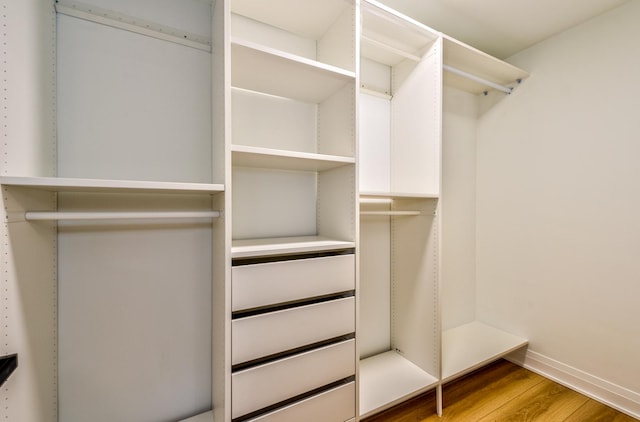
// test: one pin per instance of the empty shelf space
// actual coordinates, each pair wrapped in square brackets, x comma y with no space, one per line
[251,248]
[248,156]
[284,74]
[203,417]
[387,379]
[61,184]
[473,345]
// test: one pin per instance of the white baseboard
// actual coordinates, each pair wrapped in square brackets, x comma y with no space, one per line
[612,395]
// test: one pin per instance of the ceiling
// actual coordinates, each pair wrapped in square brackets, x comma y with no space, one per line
[502,27]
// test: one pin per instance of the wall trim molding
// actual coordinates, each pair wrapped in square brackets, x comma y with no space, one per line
[612,395]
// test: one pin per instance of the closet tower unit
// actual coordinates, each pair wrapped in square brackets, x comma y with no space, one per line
[293,107]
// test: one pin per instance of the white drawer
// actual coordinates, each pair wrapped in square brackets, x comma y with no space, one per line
[256,388]
[276,282]
[336,405]
[265,334]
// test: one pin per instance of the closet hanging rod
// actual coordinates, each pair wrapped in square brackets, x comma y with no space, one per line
[132,24]
[115,215]
[505,89]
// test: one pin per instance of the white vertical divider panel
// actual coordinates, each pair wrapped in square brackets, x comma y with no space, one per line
[460,112]
[414,270]
[29,308]
[415,150]
[336,123]
[221,227]
[337,45]
[375,144]
[28,279]
[28,118]
[374,330]
[336,202]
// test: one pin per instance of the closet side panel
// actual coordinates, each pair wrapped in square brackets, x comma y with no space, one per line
[416,124]
[27,120]
[28,251]
[415,319]
[458,294]
[134,312]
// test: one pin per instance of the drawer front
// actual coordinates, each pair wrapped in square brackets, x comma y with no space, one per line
[336,405]
[277,282]
[265,334]
[256,388]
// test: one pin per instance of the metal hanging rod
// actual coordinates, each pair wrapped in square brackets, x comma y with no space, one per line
[115,215]
[132,24]
[505,89]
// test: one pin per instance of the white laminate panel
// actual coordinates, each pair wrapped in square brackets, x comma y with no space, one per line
[336,405]
[262,335]
[258,387]
[275,282]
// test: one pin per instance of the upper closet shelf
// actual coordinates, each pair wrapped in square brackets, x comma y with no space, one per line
[270,71]
[389,37]
[467,59]
[61,184]
[309,19]
[248,156]
[253,248]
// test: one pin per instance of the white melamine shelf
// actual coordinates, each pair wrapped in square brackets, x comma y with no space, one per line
[471,346]
[203,417]
[310,19]
[248,156]
[251,248]
[63,184]
[390,37]
[284,74]
[468,59]
[398,195]
[387,379]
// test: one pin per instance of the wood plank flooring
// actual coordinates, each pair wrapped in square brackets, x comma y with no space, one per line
[506,392]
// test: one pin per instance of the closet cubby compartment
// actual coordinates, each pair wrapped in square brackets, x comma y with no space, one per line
[399,313]
[399,105]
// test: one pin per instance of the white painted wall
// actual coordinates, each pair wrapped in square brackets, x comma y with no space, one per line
[459,119]
[558,201]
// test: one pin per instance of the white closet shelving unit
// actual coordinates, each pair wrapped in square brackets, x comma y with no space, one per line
[171,174]
[399,189]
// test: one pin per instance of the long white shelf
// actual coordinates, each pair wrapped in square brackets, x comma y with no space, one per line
[305,18]
[263,69]
[388,379]
[471,346]
[252,248]
[64,184]
[468,59]
[390,37]
[248,156]
[399,195]
[203,417]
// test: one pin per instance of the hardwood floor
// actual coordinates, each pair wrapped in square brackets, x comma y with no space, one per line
[503,392]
